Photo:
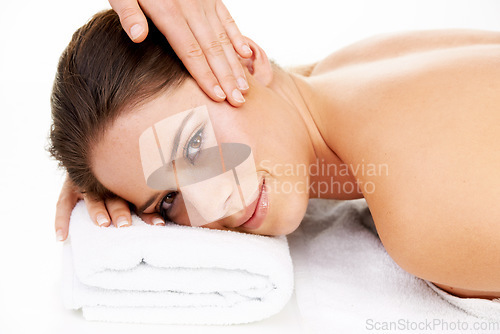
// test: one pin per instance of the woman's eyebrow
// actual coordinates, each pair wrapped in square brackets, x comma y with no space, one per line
[175,147]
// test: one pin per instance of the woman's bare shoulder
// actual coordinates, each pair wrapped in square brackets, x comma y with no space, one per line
[428,109]
[396,44]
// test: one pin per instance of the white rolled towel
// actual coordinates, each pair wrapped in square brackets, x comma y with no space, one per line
[173,274]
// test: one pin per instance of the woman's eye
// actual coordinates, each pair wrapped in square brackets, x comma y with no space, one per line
[169,198]
[193,147]
[166,204]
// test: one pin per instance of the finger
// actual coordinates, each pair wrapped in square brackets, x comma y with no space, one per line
[68,197]
[97,211]
[119,211]
[180,37]
[64,207]
[229,51]
[215,55]
[239,43]
[132,18]
[152,219]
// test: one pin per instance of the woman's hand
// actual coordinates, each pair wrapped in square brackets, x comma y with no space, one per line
[202,33]
[103,213]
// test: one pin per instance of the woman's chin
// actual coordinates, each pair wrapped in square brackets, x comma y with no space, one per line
[285,218]
[280,226]
[286,229]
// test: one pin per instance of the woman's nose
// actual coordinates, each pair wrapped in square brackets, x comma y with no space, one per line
[212,199]
[210,186]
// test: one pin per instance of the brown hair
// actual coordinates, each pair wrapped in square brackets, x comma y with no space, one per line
[99,73]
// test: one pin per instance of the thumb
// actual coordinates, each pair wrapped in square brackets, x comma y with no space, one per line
[132,18]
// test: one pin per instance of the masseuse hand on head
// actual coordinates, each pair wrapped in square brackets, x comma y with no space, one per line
[103,213]
[203,35]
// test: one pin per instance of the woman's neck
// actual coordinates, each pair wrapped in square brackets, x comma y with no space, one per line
[327,169]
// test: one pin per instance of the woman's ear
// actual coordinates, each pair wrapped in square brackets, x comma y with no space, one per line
[258,64]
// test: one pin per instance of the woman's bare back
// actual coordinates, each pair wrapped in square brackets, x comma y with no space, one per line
[427,106]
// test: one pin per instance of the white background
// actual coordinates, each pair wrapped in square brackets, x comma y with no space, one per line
[32,36]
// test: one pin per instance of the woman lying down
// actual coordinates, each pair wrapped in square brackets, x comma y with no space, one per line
[409,121]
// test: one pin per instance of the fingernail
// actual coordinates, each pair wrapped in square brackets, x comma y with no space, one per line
[136,31]
[238,96]
[158,222]
[59,235]
[219,92]
[121,221]
[242,83]
[102,219]
[247,49]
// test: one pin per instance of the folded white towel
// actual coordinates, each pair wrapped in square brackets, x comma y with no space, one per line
[346,282]
[173,274]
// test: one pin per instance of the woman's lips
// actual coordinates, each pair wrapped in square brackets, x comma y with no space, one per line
[260,207]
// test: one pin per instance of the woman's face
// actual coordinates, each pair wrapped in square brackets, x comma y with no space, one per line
[267,135]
